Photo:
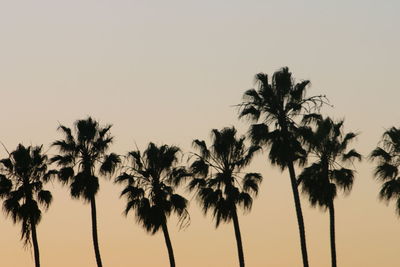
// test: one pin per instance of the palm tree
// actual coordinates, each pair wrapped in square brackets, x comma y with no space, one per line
[150,181]
[219,183]
[83,157]
[22,177]
[388,162]
[320,181]
[278,104]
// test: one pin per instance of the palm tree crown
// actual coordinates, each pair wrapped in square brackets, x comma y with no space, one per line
[150,182]
[22,177]
[388,162]
[80,155]
[23,174]
[329,145]
[278,104]
[218,179]
[219,183]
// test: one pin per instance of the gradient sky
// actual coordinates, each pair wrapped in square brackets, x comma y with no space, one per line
[169,72]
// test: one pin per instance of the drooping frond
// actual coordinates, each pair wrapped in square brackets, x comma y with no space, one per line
[379,153]
[84,186]
[63,160]
[65,147]
[386,171]
[109,164]
[45,197]
[343,177]
[199,167]
[5,185]
[202,147]
[65,174]
[125,177]
[251,182]
[390,190]
[177,175]
[351,155]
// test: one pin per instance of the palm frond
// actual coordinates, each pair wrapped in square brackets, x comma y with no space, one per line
[65,174]
[390,189]
[380,153]
[351,155]
[386,171]
[110,163]
[201,145]
[251,182]
[199,167]
[259,133]
[5,185]
[45,197]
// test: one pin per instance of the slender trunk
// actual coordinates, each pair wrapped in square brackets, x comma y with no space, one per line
[169,244]
[299,214]
[238,238]
[332,226]
[94,232]
[35,244]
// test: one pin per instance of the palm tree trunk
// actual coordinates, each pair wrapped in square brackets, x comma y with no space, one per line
[169,244]
[94,232]
[299,214]
[238,238]
[35,244]
[332,226]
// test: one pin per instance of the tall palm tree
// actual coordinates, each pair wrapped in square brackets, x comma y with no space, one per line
[150,182]
[388,163]
[22,177]
[327,142]
[278,105]
[83,157]
[219,183]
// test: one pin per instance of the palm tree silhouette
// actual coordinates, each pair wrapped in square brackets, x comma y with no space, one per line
[21,185]
[219,183]
[151,179]
[83,157]
[320,181]
[388,162]
[278,104]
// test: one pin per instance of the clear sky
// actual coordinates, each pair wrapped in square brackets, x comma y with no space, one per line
[169,72]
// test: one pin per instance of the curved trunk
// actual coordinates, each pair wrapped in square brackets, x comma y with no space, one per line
[299,213]
[238,238]
[332,230]
[35,244]
[94,232]
[169,244]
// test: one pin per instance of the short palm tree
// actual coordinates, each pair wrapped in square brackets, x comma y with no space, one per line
[220,185]
[388,163]
[328,144]
[277,104]
[22,177]
[150,181]
[83,157]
